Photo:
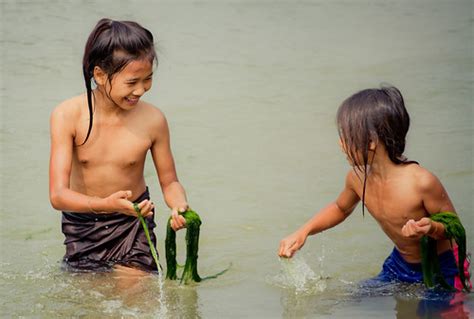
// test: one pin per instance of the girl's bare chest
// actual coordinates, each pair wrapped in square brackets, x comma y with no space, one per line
[116,146]
[393,202]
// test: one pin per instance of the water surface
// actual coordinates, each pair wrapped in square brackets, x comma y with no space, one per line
[250,89]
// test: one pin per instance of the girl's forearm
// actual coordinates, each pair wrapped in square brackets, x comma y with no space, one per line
[69,200]
[174,195]
[328,217]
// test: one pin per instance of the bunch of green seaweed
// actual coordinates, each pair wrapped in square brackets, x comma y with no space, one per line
[454,230]
[190,272]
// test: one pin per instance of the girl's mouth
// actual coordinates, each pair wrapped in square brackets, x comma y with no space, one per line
[132,101]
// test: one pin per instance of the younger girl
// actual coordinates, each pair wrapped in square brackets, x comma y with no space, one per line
[99,142]
[400,194]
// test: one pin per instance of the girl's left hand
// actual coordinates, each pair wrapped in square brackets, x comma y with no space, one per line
[177,221]
[417,229]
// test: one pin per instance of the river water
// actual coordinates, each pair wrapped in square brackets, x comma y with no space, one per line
[250,90]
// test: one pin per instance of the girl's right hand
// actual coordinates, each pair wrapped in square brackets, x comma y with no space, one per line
[291,244]
[119,202]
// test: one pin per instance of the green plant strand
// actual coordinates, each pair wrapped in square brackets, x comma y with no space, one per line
[193,224]
[147,234]
[190,273]
[432,274]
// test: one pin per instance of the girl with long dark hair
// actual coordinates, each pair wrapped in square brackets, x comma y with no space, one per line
[99,142]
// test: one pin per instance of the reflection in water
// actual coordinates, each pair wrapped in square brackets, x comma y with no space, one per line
[434,305]
[135,295]
[131,285]
[365,298]
[116,294]
[181,301]
[415,300]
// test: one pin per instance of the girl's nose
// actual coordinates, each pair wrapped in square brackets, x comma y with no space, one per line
[341,145]
[139,91]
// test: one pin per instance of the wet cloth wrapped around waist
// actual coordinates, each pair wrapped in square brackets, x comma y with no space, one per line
[96,242]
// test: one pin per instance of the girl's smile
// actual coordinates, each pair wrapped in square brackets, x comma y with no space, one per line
[132,101]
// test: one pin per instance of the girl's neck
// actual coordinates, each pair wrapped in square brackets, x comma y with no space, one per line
[104,105]
[381,166]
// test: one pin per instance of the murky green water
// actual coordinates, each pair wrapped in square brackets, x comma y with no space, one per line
[250,89]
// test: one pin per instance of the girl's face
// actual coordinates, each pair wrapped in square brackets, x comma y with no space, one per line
[127,86]
[359,158]
[352,161]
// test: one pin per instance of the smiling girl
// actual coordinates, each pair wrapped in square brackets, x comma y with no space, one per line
[99,142]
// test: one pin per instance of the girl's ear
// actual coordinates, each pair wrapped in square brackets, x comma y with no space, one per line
[373,145]
[100,77]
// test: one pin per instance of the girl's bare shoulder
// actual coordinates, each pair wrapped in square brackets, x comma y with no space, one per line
[353,180]
[423,178]
[151,114]
[70,108]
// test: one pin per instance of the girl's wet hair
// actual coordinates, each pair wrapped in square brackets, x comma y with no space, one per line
[111,46]
[373,115]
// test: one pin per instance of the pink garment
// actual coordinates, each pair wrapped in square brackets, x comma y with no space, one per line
[457,280]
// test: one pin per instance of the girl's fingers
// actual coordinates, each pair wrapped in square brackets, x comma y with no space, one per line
[405,231]
[145,207]
[289,252]
[285,249]
[142,204]
[280,249]
[146,210]
[125,194]
[174,225]
[409,228]
[292,250]
[423,222]
[179,221]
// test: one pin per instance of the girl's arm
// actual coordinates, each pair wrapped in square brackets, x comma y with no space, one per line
[60,194]
[326,218]
[435,200]
[173,191]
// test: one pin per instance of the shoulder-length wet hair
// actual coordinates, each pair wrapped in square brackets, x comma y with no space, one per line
[111,46]
[373,115]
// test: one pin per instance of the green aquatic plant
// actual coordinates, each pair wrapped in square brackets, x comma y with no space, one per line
[190,273]
[147,235]
[432,275]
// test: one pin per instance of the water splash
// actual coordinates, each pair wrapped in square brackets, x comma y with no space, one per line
[163,310]
[297,274]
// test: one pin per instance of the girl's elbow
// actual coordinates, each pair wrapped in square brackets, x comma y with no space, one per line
[55,200]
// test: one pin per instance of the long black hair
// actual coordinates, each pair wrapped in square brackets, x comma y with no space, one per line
[111,46]
[373,115]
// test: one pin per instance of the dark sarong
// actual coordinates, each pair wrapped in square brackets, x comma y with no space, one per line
[96,242]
